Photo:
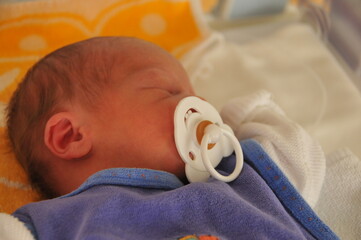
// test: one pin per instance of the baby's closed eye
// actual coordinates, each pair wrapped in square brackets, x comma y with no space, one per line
[158,79]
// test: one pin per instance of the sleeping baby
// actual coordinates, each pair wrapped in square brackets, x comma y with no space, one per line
[93,126]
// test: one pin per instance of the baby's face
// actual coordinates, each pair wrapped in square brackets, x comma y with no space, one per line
[135,126]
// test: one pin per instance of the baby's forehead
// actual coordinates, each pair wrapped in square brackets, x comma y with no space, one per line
[113,59]
[137,55]
[127,52]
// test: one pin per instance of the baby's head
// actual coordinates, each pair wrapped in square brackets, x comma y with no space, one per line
[101,103]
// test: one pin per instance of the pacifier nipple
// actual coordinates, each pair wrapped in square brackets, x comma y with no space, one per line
[200,132]
[203,140]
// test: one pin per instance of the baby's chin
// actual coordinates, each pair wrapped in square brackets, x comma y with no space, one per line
[182,176]
[177,167]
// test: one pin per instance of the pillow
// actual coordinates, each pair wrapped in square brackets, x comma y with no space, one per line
[30,30]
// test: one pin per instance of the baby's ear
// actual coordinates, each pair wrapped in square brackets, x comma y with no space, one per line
[66,138]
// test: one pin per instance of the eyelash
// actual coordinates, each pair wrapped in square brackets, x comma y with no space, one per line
[171,92]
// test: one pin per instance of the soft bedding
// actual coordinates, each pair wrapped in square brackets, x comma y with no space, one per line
[312,88]
[286,58]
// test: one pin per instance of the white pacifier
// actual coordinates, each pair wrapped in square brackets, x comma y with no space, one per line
[202,140]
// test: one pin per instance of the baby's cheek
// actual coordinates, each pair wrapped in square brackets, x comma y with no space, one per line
[175,162]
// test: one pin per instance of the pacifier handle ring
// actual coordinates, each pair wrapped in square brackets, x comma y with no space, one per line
[239,157]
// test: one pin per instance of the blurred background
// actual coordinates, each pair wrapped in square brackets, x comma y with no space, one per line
[345,32]
[338,23]
[343,23]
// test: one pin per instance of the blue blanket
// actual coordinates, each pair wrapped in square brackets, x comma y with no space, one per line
[148,204]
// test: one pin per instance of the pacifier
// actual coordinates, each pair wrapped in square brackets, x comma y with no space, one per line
[203,140]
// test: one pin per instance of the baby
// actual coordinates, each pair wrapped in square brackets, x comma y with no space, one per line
[98,104]
[92,124]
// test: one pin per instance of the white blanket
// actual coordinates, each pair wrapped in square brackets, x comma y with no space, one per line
[300,72]
[310,85]
[12,229]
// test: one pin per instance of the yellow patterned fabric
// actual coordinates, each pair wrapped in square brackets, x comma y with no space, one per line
[30,30]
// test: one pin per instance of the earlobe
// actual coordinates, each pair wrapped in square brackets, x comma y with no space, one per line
[66,138]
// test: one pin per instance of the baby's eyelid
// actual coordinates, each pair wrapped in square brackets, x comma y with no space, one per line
[174,92]
[153,82]
[161,83]
[169,90]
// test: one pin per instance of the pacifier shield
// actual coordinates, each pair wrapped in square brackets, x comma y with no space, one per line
[192,118]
